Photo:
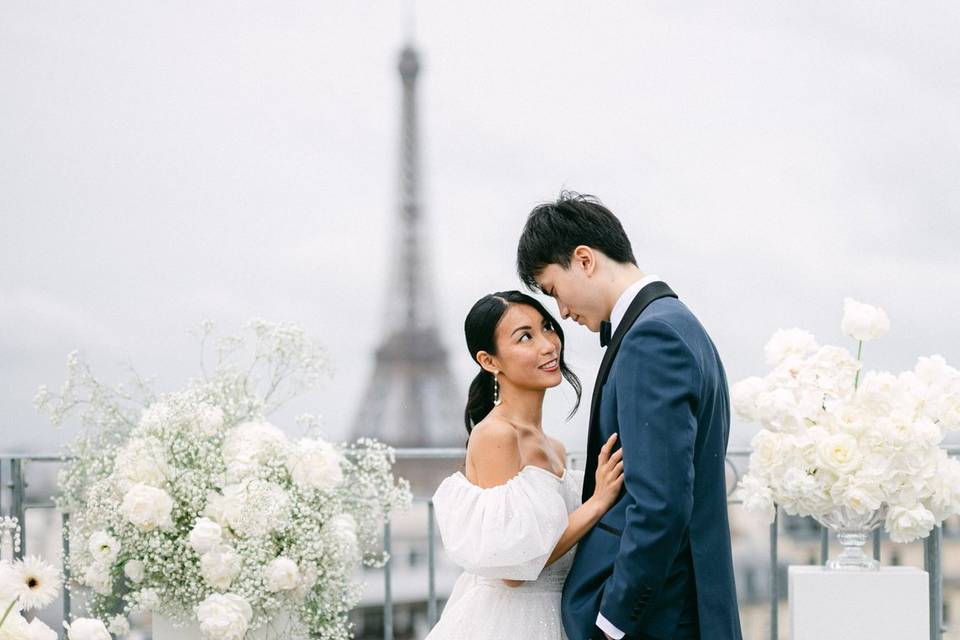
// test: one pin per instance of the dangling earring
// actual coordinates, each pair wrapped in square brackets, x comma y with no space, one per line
[496,390]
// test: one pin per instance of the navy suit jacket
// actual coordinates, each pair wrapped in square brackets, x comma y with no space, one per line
[662,553]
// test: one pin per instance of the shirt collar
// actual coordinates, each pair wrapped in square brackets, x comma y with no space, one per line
[623,302]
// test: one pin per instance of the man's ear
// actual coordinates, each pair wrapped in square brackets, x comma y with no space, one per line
[585,259]
[488,362]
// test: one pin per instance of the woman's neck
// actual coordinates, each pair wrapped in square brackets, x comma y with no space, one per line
[522,407]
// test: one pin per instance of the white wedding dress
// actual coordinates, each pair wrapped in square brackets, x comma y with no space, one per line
[505,532]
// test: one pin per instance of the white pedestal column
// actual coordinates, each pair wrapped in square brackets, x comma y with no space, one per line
[890,604]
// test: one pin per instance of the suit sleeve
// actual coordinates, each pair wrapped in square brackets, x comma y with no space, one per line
[656,383]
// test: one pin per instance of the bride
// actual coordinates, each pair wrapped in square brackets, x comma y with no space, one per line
[512,518]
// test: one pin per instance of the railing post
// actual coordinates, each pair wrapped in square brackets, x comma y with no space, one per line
[17,498]
[774,578]
[932,562]
[387,587]
[431,565]
[824,544]
[65,524]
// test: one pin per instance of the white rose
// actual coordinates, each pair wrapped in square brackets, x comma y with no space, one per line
[224,616]
[103,547]
[147,507]
[906,525]
[744,397]
[789,342]
[220,566]
[205,535]
[839,453]
[134,569]
[87,629]
[15,627]
[859,496]
[208,419]
[862,321]
[119,625]
[315,464]
[282,574]
[98,578]
[40,631]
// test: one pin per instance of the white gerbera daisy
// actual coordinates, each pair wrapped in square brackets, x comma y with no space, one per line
[35,582]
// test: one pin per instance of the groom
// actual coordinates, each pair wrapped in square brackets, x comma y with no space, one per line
[658,565]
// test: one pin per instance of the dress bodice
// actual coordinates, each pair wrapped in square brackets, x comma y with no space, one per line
[509,531]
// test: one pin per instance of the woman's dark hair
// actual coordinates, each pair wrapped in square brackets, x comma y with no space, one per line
[553,230]
[480,329]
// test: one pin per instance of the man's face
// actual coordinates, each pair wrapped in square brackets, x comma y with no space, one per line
[576,294]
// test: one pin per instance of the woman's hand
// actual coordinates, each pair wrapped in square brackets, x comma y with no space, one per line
[609,475]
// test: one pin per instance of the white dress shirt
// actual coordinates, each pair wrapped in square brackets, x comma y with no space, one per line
[616,317]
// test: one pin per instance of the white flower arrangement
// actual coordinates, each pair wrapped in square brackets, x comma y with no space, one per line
[194,506]
[833,439]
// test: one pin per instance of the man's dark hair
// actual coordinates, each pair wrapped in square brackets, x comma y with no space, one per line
[555,229]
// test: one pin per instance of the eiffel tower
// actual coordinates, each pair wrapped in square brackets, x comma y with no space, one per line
[411,399]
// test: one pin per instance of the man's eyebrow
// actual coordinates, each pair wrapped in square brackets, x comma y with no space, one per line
[525,327]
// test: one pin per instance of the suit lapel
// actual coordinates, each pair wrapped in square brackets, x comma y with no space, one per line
[651,292]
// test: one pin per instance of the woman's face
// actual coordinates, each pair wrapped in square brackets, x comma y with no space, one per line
[528,348]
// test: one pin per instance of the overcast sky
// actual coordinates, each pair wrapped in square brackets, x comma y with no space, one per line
[166,162]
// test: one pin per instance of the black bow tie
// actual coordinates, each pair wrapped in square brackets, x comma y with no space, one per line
[605,329]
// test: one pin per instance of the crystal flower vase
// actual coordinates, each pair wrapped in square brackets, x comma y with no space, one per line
[853,529]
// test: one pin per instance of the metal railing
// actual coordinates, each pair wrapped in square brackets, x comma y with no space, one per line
[13,468]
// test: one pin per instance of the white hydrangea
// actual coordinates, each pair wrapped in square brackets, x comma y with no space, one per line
[315,464]
[757,497]
[789,342]
[862,321]
[224,616]
[839,442]
[744,395]
[906,524]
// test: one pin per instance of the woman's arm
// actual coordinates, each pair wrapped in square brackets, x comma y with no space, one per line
[584,517]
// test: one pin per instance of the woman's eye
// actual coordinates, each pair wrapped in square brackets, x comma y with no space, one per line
[524,336]
[548,327]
